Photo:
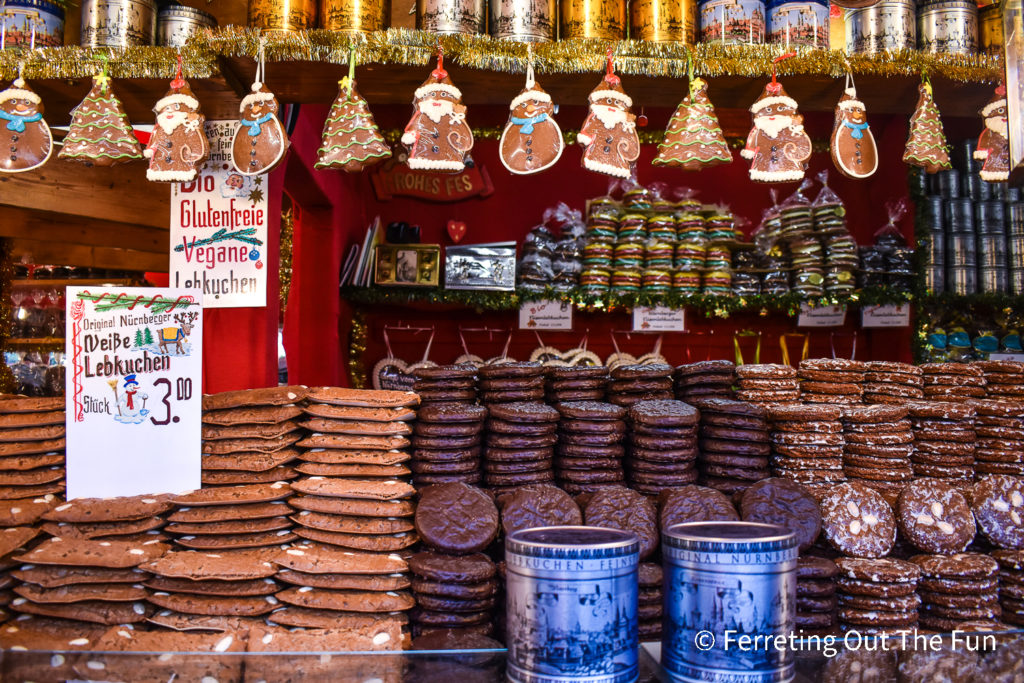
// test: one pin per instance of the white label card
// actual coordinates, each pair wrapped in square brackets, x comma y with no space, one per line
[885,316]
[1019,357]
[659,319]
[133,391]
[545,315]
[821,316]
[219,229]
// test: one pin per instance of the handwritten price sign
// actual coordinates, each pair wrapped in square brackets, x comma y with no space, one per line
[134,391]
[545,315]
[219,229]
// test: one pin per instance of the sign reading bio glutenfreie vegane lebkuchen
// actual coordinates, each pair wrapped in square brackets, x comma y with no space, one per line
[219,229]
[133,391]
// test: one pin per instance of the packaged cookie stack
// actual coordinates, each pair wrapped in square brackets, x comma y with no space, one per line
[1004,379]
[958,591]
[707,379]
[734,443]
[632,383]
[31,447]
[662,446]
[445,384]
[575,383]
[511,382]
[807,443]
[953,381]
[85,580]
[135,520]
[229,525]
[877,595]
[998,506]
[249,435]
[454,582]
[590,445]
[891,382]
[446,443]
[341,589]
[816,599]
[944,441]
[878,444]
[520,444]
[767,383]
[835,381]
[211,590]
[999,427]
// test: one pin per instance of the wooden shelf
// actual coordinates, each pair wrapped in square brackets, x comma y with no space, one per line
[71,282]
[28,342]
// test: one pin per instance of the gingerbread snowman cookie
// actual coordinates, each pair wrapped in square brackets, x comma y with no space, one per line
[24,136]
[853,146]
[532,140]
[260,140]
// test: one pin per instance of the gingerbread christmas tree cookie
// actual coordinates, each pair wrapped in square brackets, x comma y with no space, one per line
[351,139]
[693,139]
[100,134]
[926,144]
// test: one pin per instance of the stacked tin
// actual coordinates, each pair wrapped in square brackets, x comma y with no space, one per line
[947,26]
[933,216]
[1015,245]
[799,23]
[990,222]
[887,25]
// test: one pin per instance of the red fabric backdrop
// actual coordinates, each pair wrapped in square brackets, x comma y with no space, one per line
[318,324]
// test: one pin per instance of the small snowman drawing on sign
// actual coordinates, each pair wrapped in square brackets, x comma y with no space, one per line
[131,405]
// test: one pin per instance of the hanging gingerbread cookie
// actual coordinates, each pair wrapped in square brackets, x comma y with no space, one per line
[25,139]
[260,140]
[351,140]
[853,146]
[532,140]
[437,136]
[177,146]
[778,147]
[694,139]
[993,147]
[609,138]
[100,134]
[926,143]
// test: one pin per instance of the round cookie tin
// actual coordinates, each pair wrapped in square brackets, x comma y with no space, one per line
[572,602]
[21,16]
[447,17]
[604,19]
[282,15]
[990,29]
[726,580]
[947,26]
[803,22]
[732,22]
[525,20]
[118,23]
[175,24]
[889,25]
[355,16]
[661,21]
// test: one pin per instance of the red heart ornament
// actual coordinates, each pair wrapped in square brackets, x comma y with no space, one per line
[456,230]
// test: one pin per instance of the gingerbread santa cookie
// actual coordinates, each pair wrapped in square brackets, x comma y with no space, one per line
[853,146]
[25,139]
[993,147]
[260,140]
[777,147]
[100,134]
[532,140]
[178,146]
[693,139]
[437,136]
[609,138]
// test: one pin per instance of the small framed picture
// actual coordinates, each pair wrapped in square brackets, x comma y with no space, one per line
[481,266]
[407,265]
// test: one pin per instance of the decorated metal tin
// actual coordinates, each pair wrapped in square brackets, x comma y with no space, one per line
[992,251]
[732,22]
[660,21]
[604,19]
[118,23]
[962,279]
[282,15]
[1014,219]
[990,29]
[354,16]
[994,280]
[727,580]
[20,17]
[947,26]
[572,605]
[175,24]
[961,249]
[1017,280]
[451,16]
[799,23]
[889,25]
[533,21]
[935,279]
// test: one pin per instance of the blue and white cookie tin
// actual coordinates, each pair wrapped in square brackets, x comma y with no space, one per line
[724,581]
[572,605]
[732,22]
[804,22]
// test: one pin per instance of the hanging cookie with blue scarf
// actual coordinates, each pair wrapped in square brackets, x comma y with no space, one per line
[853,146]
[260,139]
[532,140]
[25,139]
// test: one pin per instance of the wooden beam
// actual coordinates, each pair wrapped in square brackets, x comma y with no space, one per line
[37,251]
[119,193]
[93,232]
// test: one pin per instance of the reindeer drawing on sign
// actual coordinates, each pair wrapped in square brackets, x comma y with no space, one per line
[177,335]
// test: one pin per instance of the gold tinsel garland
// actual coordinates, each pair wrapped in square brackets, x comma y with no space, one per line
[356,349]
[285,268]
[404,46]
